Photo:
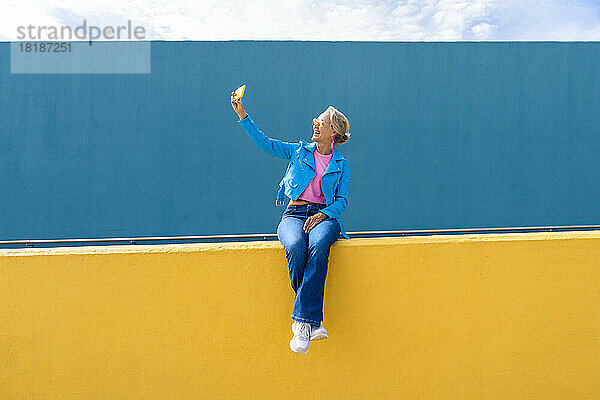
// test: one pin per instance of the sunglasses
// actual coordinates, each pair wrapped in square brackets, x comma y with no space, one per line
[320,124]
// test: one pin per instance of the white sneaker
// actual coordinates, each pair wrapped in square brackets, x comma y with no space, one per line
[318,333]
[301,339]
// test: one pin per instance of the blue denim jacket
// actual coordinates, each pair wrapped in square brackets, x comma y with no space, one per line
[301,170]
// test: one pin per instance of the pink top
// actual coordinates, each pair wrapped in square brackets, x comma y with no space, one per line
[313,191]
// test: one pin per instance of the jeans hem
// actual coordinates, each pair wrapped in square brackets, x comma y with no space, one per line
[312,322]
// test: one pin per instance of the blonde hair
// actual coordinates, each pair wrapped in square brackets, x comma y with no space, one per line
[340,125]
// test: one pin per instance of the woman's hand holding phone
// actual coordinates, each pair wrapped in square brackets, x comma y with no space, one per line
[236,102]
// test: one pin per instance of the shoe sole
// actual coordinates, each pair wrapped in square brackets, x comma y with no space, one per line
[320,336]
[296,351]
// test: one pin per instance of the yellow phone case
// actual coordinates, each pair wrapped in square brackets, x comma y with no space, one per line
[239,92]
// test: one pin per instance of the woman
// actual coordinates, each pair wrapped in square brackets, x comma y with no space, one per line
[316,181]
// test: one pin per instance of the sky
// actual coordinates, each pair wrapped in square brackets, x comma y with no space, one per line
[340,20]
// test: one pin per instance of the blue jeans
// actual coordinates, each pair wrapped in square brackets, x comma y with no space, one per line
[307,256]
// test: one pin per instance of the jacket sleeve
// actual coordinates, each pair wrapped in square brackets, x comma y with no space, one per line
[341,195]
[274,147]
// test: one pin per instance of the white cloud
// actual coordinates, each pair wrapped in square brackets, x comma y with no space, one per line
[482,30]
[407,20]
[549,20]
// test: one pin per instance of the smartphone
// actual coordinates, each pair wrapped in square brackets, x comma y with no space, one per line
[239,92]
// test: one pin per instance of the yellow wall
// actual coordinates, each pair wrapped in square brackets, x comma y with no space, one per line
[509,316]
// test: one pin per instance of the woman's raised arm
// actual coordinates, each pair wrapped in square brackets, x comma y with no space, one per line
[274,147]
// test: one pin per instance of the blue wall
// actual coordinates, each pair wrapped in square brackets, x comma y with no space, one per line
[444,135]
